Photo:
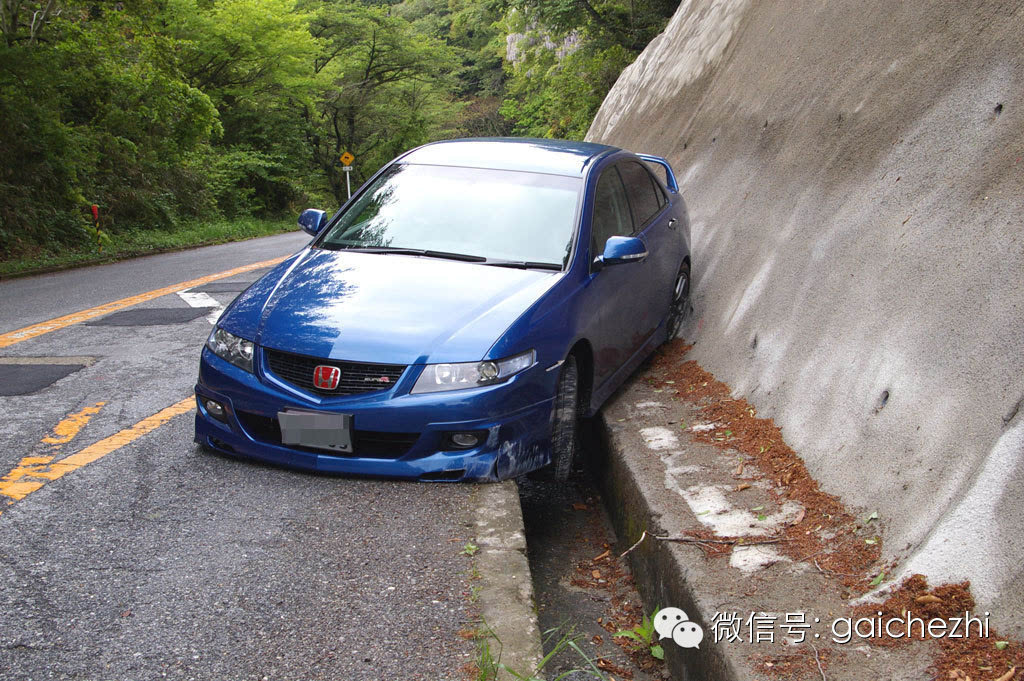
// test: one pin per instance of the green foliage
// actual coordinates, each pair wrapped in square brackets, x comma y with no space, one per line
[95,117]
[556,640]
[642,636]
[566,54]
[134,242]
[170,112]
[557,97]
[381,88]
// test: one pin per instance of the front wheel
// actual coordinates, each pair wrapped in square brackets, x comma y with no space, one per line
[680,300]
[565,420]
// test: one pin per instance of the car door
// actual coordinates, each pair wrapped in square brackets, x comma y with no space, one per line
[617,292]
[650,205]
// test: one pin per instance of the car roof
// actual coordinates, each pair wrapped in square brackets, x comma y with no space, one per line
[555,157]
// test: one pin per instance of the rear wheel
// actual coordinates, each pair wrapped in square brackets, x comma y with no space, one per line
[680,301]
[565,420]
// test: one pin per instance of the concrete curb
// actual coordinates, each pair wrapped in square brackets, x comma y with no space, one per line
[648,465]
[633,491]
[506,586]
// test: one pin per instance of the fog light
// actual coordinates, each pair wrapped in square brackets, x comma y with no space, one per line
[214,409]
[465,439]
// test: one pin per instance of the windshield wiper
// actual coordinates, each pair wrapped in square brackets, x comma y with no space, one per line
[525,265]
[389,250]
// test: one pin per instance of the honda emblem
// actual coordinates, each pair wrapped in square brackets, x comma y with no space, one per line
[326,377]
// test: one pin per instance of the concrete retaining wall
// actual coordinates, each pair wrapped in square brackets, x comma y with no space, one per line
[854,172]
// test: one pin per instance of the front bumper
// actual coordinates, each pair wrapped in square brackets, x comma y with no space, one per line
[395,434]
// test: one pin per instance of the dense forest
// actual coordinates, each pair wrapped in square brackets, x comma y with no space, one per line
[166,112]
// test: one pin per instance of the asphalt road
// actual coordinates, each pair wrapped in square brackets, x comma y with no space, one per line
[128,553]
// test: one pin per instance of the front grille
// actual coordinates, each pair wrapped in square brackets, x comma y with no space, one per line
[355,377]
[371,444]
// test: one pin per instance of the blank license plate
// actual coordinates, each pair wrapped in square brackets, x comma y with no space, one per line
[317,429]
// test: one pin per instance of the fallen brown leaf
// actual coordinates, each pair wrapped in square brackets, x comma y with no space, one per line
[1008,675]
[739,470]
[799,517]
[606,665]
[602,556]
[579,507]
[928,598]
[596,574]
[742,486]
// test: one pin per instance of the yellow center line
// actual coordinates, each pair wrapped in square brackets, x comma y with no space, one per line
[12,337]
[43,469]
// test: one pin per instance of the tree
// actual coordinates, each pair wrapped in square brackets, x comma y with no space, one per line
[382,88]
[253,59]
[94,113]
[24,22]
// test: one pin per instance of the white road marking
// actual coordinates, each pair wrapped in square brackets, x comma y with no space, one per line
[200,299]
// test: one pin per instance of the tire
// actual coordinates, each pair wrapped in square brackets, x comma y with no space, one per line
[565,421]
[680,302]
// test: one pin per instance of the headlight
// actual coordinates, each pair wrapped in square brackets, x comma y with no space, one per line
[440,377]
[236,350]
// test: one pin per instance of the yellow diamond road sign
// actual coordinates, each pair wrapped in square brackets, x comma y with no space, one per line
[347,158]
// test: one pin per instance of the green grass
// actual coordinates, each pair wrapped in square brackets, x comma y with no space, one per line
[489,664]
[132,244]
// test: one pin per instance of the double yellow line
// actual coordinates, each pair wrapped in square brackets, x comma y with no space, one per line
[34,471]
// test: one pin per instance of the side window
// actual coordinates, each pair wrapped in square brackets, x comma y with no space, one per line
[643,193]
[611,211]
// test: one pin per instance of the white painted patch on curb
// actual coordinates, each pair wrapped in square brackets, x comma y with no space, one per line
[712,508]
[650,405]
[658,438]
[750,559]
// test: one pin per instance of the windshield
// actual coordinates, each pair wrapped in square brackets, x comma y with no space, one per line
[500,215]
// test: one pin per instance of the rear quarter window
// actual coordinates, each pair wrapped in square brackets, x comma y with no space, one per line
[644,194]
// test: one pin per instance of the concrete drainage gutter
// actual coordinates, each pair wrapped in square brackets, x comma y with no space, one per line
[506,586]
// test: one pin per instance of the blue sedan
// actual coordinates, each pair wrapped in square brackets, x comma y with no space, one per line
[457,317]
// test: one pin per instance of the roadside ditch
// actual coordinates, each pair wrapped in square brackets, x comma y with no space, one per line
[584,594]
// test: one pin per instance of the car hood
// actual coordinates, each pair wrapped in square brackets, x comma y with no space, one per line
[392,309]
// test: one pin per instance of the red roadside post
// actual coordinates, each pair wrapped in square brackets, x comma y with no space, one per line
[96,223]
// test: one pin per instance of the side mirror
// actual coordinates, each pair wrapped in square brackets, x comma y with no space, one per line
[312,221]
[619,250]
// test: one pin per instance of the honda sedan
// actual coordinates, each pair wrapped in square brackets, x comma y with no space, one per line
[457,317]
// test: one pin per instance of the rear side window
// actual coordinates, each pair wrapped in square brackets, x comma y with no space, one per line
[611,211]
[644,194]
